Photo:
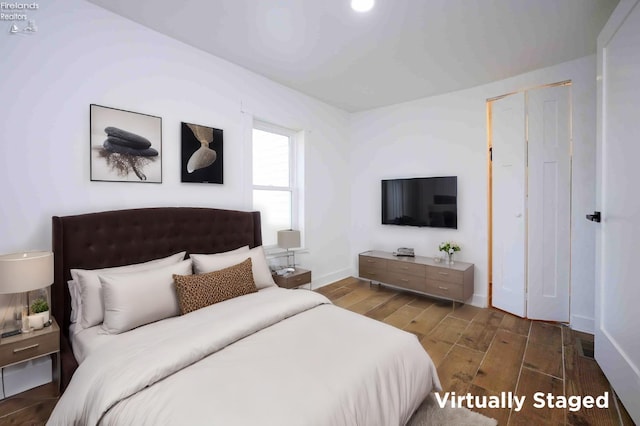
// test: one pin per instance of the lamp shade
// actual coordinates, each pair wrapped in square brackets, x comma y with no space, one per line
[288,238]
[21,272]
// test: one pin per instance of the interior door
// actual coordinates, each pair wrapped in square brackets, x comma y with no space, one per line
[617,336]
[508,203]
[549,203]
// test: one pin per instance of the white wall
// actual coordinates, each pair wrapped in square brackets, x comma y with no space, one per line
[447,135]
[83,54]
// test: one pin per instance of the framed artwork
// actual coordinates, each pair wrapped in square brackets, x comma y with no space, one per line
[201,154]
[125,146]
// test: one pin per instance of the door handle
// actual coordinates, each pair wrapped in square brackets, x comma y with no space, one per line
[595,217]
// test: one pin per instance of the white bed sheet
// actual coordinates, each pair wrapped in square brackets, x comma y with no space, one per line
[87,340]
[289,355]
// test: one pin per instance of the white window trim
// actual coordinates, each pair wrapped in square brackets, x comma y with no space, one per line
[292,135]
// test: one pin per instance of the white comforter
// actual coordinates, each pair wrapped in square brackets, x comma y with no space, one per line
[276,357]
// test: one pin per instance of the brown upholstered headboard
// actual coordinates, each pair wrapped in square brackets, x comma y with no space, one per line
[122,237]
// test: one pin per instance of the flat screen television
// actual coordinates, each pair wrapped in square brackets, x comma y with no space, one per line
[425,201]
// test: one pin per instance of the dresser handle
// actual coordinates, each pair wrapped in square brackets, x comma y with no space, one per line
[371,261]
[443,288]
[404,280]
[405,267]
[443,273]
[15,351]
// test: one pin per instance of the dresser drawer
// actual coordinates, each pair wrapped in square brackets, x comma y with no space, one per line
[28,348]
[407,268]
[372,263]
[373,273]
[445,289]
[410,282]
[445,274]
[296,279]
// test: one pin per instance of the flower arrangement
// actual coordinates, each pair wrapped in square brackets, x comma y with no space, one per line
[449,247]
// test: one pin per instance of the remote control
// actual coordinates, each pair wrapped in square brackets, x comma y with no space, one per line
[11,333]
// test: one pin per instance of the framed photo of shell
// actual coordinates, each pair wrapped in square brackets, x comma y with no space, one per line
[125,146]
[201,154]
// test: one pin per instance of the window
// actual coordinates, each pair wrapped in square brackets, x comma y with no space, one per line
[274,191]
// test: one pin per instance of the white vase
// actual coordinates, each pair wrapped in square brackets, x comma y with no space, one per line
[35,321]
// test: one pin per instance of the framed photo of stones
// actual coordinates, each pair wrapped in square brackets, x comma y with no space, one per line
[201,154]
[125,146]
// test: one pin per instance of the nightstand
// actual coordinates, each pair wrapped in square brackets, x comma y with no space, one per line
[293,279]
[36,344]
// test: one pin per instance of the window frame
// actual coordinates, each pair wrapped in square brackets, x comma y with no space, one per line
[292,188]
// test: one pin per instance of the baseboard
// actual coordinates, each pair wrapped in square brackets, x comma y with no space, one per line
[581,323]
[479,301]
[331,278]
[617,367]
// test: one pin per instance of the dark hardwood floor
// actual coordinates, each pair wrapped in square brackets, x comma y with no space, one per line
[32,407]
[480,351]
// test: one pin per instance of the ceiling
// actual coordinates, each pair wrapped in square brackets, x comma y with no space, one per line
[399,51]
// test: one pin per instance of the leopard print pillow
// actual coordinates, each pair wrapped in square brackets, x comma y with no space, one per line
[198,291]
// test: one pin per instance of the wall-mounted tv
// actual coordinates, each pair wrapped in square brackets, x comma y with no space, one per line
[425,201]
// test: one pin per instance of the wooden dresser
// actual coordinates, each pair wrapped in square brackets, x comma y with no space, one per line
[420,274]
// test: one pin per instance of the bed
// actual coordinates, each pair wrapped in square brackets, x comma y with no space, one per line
[274,356]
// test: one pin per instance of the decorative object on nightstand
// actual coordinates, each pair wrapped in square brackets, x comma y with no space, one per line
[39,313]
[22,273]
[288,239]
[293,279]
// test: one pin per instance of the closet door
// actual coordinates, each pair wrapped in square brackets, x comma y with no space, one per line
[508,203]
[549,206]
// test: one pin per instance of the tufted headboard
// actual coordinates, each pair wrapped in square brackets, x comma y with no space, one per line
[122,237]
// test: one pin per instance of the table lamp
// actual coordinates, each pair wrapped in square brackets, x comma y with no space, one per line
[24,272]
[288,239]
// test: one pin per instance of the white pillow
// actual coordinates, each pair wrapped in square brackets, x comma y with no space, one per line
[76,306]
[91,291]
[139,298]
[243,249]
[203,263]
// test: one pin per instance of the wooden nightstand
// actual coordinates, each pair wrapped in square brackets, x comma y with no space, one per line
[28,346]
[293,279]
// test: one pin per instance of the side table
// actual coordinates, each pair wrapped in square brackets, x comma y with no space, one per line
[36,344]
[293,279]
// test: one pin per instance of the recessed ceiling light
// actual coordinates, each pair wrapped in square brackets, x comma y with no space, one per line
[362,5]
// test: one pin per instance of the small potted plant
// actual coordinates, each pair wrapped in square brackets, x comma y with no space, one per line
[39,308]
[449,247]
